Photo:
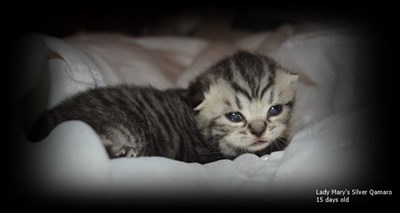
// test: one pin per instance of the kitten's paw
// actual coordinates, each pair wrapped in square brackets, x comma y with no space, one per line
[131,153]
[117,151]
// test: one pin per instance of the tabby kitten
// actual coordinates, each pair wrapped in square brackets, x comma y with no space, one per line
[241,104]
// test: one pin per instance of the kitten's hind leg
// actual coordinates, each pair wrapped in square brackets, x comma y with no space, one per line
[115,150]
[120,142]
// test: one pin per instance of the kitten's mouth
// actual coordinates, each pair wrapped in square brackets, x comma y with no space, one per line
[259,142]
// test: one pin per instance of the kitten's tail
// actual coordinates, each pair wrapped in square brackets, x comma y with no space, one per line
[43,126]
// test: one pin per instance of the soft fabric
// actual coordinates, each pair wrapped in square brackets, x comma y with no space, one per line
[323,151]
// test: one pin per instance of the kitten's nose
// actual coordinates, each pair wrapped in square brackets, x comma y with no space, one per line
[257,127]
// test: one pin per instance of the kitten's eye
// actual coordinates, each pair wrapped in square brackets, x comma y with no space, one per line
[275,110]
[234,116]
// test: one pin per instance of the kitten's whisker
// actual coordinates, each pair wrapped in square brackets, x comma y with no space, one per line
[278,144]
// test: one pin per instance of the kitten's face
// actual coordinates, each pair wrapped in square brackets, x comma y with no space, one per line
[247,103]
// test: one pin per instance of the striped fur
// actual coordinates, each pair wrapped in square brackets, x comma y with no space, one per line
[249,84]
[133,121]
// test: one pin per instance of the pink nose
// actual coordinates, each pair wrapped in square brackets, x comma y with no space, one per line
[257,127]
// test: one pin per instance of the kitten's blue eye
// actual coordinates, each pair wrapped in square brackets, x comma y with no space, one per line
[234,116]
[275,110]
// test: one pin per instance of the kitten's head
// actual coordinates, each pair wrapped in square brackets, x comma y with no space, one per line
[243,103]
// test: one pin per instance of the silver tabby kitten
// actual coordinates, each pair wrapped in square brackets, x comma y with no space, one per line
[241,104]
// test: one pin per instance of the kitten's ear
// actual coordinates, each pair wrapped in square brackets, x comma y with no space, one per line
[199,106]
[285,77]
[196,92]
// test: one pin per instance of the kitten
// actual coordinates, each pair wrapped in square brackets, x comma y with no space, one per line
[241,104]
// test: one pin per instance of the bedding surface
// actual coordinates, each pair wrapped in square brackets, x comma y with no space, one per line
[326,147]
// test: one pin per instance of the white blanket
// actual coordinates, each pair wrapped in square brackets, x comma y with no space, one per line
[323,150]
